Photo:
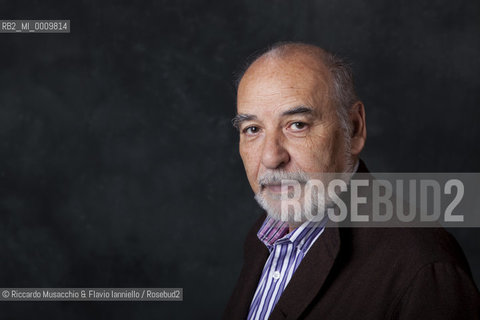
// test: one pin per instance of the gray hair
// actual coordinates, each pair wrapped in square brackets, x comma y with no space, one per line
[344,95]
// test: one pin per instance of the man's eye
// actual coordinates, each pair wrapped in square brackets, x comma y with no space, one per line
[251,130]
[297,126]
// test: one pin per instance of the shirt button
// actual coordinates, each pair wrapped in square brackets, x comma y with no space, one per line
[276,275]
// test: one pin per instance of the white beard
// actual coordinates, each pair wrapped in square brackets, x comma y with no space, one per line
[308,208]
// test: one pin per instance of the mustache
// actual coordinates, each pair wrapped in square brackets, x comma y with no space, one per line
[276,177]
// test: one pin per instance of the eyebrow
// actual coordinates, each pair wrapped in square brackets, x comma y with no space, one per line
[242,117]
[297,110]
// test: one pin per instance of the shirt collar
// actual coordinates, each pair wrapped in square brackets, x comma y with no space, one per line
[276,232]
[271,231]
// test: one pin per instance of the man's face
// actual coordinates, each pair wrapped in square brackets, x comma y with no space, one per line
[288,122]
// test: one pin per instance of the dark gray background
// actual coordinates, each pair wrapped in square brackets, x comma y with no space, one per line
[118,163]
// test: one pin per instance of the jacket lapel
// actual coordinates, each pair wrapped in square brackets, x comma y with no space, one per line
[310,276]
[308,279]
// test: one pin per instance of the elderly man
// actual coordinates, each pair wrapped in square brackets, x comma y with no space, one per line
[298,115]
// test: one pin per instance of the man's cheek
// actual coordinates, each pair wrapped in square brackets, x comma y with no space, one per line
[310,154]
[315,141]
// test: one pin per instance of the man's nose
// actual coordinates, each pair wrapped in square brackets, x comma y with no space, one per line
[274,154]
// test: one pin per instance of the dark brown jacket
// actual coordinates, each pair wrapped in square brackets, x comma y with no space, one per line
[367,273]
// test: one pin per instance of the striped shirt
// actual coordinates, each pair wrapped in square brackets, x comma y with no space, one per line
[286,252]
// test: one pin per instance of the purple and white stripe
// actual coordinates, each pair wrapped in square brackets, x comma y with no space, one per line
[286,252]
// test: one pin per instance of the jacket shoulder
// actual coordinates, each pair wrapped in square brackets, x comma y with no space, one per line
[415,246]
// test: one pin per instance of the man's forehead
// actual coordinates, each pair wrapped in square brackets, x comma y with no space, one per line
[280,90]
[293,69]
[278,77]
[277,93]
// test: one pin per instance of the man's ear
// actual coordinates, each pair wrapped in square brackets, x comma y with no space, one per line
[358,134]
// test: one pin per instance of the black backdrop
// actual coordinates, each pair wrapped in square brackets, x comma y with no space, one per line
[118,163]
